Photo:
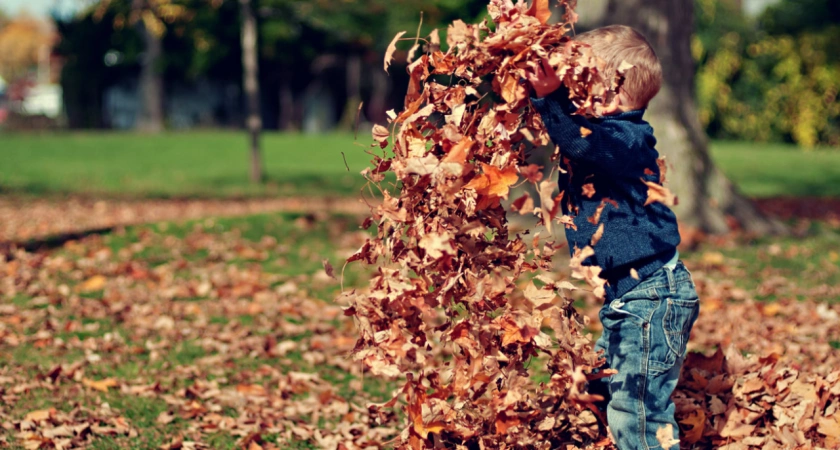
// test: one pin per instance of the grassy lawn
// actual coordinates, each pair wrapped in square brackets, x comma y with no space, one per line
[215,164]
[195,164]
[779,170]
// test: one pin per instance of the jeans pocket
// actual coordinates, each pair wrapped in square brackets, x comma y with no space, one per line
[679,318]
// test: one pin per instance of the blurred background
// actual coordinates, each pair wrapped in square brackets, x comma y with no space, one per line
[226,99]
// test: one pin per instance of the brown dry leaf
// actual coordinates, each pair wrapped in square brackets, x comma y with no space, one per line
[665,437]
[39,415]
[100,385]
[380,133]
[389,52]
[597,237]
[588,190]
[584,132]
[693,426]
[538,297]
[328,268]
[540,10]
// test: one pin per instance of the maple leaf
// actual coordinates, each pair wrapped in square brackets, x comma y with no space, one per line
[538,297]
[493,182]
[514,333]
[389,52]
[693,426]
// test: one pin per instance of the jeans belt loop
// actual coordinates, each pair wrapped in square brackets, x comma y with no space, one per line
[672,282]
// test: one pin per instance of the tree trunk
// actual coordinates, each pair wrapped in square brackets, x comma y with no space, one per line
[707,199]
[354,92]
[151,82]
[250,74]
[287,103]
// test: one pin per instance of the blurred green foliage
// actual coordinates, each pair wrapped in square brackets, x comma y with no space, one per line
[775,78]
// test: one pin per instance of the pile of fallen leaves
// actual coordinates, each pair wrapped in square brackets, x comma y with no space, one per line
[448,310]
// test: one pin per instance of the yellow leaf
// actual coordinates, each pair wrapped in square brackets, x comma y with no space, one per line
[39,415]
[494,182]
[101,385]
[93,283]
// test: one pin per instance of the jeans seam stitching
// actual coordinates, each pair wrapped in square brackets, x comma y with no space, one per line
[643,387]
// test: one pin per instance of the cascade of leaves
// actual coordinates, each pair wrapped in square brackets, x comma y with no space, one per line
[448,310]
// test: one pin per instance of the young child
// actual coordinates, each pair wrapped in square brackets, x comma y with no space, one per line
[651,303]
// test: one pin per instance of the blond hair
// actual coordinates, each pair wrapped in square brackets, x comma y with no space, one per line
[618,43]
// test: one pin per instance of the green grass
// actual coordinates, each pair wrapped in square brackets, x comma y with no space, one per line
[215,164]
[194,164]
[774,170]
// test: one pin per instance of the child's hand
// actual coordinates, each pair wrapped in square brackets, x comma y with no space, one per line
[543,79]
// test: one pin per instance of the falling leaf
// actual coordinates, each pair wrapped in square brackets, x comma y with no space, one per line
[634,274]
[584,132]
[588,190]
[380,133]
[540,10]
[392,47]
[328,268]
[538,297]
[596,237]
[658,193]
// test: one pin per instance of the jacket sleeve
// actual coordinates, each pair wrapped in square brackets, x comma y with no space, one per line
[610,146]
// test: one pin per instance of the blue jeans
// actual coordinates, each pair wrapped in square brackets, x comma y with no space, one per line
[644,339]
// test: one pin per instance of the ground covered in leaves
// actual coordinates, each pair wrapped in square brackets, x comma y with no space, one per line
[222,333]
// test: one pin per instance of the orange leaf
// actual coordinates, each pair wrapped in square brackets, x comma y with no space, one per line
[512,332]
[584,132]
[392,47]
[250,389]
[93,283]
[693,426]
[459,152]
[658,193]
[540,10]
[101,385]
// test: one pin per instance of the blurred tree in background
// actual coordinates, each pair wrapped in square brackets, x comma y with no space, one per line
[774,79]
[771,78]
[24,42]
